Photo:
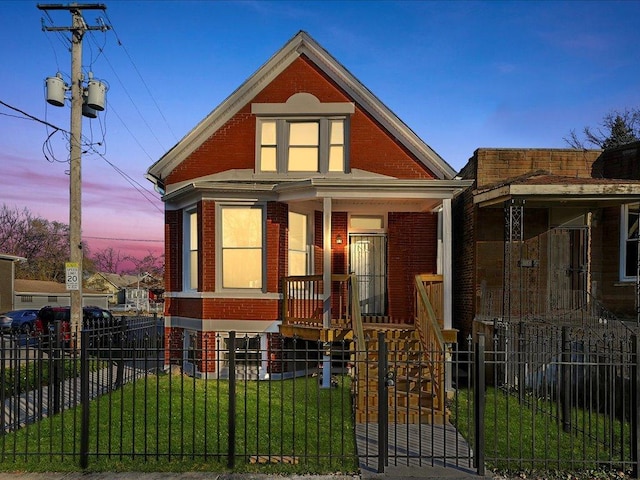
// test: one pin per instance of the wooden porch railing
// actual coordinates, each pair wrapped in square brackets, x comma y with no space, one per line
[303,300]
[433,337]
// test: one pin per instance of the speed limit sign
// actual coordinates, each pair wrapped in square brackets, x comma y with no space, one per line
[72,275]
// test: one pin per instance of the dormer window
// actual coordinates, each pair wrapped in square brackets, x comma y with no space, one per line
[302,136]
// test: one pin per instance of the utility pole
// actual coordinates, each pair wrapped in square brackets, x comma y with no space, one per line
[78,28]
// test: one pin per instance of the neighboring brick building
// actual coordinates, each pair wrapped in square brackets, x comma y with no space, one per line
[301,171]
[538,236]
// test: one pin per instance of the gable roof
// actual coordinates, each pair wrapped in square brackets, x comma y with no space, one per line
[300,44]
[116,279]
[45,287]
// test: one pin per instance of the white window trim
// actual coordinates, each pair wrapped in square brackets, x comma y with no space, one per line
[219,271]
[383,216]
[186,248]
[624,219]
[282,145]
[302,107]
[309,246]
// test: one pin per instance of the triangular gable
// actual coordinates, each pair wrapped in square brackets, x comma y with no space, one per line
[300,44]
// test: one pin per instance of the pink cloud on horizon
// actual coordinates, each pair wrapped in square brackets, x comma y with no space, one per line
[113,212]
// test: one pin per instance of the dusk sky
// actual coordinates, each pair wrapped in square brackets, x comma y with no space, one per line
[461,74]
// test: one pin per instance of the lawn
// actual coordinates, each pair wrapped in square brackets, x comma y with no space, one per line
[527,435]
[178,423]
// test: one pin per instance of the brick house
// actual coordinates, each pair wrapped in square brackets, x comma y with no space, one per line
[299,178]
[546,235]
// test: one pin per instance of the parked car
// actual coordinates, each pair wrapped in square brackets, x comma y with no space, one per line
[19,321]
[123,307]
[98,320]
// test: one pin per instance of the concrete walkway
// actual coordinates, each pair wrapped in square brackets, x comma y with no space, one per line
[416,451]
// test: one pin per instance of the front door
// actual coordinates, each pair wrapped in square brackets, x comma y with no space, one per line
[568,269]
[368,261]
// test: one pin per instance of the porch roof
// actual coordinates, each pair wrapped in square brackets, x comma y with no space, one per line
[541,189]
[411,195]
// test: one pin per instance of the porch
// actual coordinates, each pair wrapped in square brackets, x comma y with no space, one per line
[413,351]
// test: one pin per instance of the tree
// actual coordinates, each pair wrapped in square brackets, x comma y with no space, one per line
[151,264]
[44,244]
[617,128]
[108,260]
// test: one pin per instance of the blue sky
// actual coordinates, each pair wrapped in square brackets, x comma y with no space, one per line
[461,74]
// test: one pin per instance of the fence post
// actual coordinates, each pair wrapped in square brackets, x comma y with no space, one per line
[120,360]
[84,399]
[479,406]
[565,381]
[383,403]
[635,407]
[55,347]
[232,401]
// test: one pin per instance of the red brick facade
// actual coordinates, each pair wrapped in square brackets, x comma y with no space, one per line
[230,150]
[479,233]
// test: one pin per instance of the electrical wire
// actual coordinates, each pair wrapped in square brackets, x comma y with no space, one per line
[136,185]
[115,112]
[124,239]
[135,105]
[90,148]
[135,67]
[31,117]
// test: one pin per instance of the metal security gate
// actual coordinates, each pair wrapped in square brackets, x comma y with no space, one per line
[567,265]
[394,419]
[368,260]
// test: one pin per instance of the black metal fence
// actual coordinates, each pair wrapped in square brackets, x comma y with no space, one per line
[528,397]
[552,397]
[114,403]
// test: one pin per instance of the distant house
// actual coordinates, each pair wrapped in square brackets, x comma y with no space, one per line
[144,291]
[7,279]
[38,293]
[113,283]
[547,235]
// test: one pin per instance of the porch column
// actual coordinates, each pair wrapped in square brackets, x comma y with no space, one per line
[447,282]
[326,262]
[447,262]
[326,285]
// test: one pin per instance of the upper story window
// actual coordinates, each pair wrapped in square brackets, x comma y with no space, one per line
[302,136]
[630,214]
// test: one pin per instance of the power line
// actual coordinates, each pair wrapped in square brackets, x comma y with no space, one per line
[124,88]
[140,76]
[124,239]
[16,109]
[139,188]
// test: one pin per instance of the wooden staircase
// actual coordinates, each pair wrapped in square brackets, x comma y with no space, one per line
[414,395]
[415,363]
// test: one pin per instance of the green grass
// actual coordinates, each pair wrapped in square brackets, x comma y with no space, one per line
[183,426]
[527,434]
[35,373]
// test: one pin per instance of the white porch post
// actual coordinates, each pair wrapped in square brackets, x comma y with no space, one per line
[326,280]
[447,281]
[447,263]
